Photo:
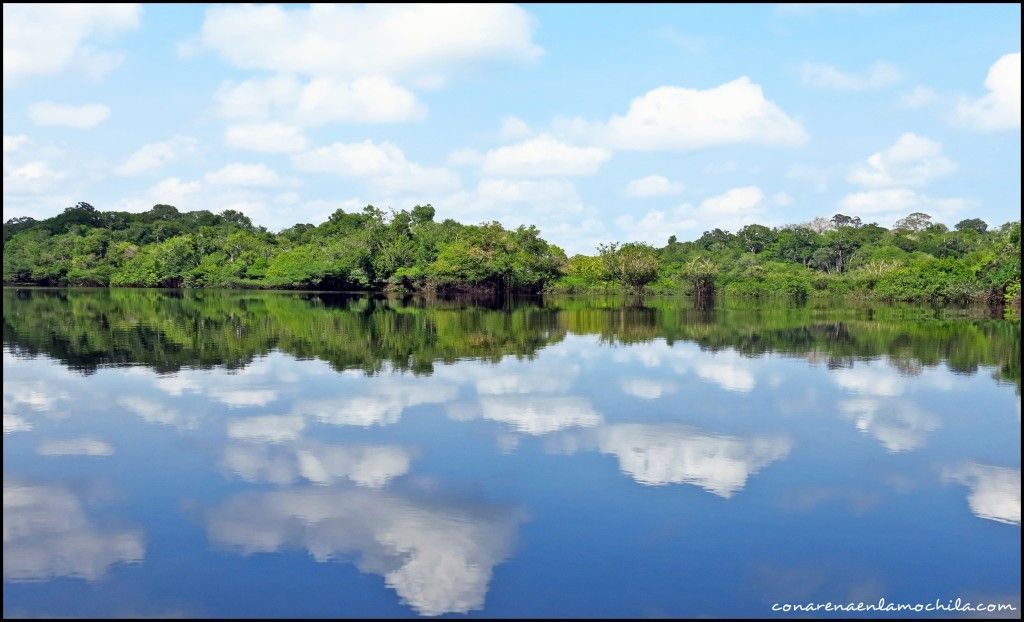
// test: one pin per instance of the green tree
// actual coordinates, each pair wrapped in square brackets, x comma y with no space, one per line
[634,264]
[972,224]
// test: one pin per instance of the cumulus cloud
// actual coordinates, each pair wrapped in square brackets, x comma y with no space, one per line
[383,165]
[995,491]
[999,108]
[918,97]
[338,63]
[510,377]
[34,177]
[544,156]
[879,75]
[173,190]
[731,376]
[237,174]
[154,412]
[886,206]
[653,186]
[156,154]
[683,119]
[732,209]
[913,161]
[899,426]
[516,201]
[344,41]
[15,423]
[39,396]
[465,157]
[267,428]
[318,101]
[438,557]
[265,137]
[382,404]
[47,535]
[870,381]
[13,143]
[532,414]
[514,128]
[646,388]
[655,455]
[45,40]
[317,463]
[80,117]
[75,447]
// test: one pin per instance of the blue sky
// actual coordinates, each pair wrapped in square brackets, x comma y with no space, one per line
[596,123]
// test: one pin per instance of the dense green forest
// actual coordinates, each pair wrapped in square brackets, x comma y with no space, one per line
[916,260]
[168,330]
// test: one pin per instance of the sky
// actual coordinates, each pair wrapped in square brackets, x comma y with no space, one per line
[596,123]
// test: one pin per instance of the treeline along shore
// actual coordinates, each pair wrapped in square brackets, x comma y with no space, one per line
[916,260]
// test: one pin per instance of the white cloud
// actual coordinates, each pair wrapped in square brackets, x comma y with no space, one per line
[319,101]
[45,40]
[15,423]
[48,535]
[265,137]
[553,205]
[655,455]
[173,191]
[514,128]
[731,376]
[999,109]
[741,203]
[782,199]
[156,412]
[75,447]
[653,186]
[436,555]
[879,75]
[237,174]
[886,206]
[730,210]
[367,100]
[382,164]
[37,396]
[267,429]
[646,388]
[13,143]
[913,161]
[537,415]
[192,195]
[79,117]
[899,426]
[244,397]
[465,157]
[881,382]
[177,384]
[683,119]
[544,156]
[509,377]
[372,466]
[30,178]
[422,41]
[156,154]
[381,406]
[918,97]
[995,491]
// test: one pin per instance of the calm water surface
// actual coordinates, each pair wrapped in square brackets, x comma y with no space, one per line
[274,454]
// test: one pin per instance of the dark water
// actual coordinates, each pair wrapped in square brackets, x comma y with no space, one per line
[269,454]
